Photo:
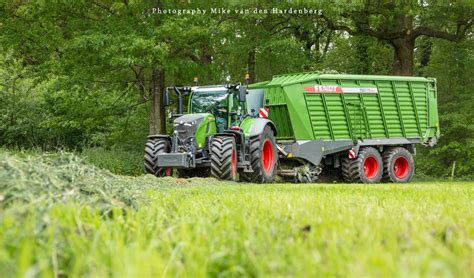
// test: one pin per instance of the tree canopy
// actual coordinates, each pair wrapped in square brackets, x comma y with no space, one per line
[75,74]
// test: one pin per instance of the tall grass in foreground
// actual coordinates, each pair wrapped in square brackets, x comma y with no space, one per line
[59,216]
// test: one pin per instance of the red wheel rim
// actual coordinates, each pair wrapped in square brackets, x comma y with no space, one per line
[267,156]
[371,167]
[234,163]
[401,167]
[168,172]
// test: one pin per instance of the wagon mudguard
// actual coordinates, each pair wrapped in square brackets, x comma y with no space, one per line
[239,137]
[313,151]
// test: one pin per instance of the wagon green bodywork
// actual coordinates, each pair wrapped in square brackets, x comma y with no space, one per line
[331,107]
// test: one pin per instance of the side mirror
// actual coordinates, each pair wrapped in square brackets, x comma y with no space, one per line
[166,98]
[242,93]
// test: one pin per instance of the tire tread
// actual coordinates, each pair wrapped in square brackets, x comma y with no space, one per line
[152,147]
[353,169]
[221,157]
[387,158]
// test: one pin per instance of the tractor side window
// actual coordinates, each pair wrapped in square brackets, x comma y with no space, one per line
[234,108]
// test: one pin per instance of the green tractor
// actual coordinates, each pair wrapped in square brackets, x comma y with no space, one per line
[218,137]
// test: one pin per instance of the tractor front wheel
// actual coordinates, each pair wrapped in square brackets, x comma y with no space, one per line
[224,158]
[399,165]
[263,158]
[367,167]
[153,147]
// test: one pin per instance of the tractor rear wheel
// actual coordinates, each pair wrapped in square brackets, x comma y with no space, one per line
[191,173]
[263,158]
[398,165]
[153,147]
[224,158]
[367,167]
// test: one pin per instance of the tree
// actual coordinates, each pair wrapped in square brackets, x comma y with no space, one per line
[357,55]
[451,65]
[263,44]
[105,45]
[400,23]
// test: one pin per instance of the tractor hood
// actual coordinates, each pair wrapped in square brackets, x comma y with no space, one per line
[194,125]
[190,119]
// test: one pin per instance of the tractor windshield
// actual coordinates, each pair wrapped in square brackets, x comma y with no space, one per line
[209,102]
[214,102]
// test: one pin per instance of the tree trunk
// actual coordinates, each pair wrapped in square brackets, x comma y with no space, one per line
[251,65]
[206,60]
[362,50]
[157,111]
[403,56]
[326,46]
[425,48]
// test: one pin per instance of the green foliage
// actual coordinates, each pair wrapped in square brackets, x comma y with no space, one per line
[451,64]
[21,106]
[59,216]
[281,56]
[358,55]
[43,114]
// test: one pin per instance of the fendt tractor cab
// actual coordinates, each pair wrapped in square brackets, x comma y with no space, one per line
[219,136]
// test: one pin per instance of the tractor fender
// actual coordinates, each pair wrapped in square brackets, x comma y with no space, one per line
[238,136]
[166,137]
[225,133]
[259,125]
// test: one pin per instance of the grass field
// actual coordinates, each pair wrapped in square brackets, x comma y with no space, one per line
[59,216]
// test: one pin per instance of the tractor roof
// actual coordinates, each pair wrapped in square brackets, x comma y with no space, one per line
[211,88]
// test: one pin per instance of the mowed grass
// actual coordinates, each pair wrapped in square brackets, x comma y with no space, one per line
[203,227]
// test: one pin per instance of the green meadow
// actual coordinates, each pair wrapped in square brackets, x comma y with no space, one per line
[62,217]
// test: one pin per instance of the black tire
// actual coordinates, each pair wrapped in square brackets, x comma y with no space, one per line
[261,174]
[398,165]
[153,147]
[191,173]
[224,158]
[367,167]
